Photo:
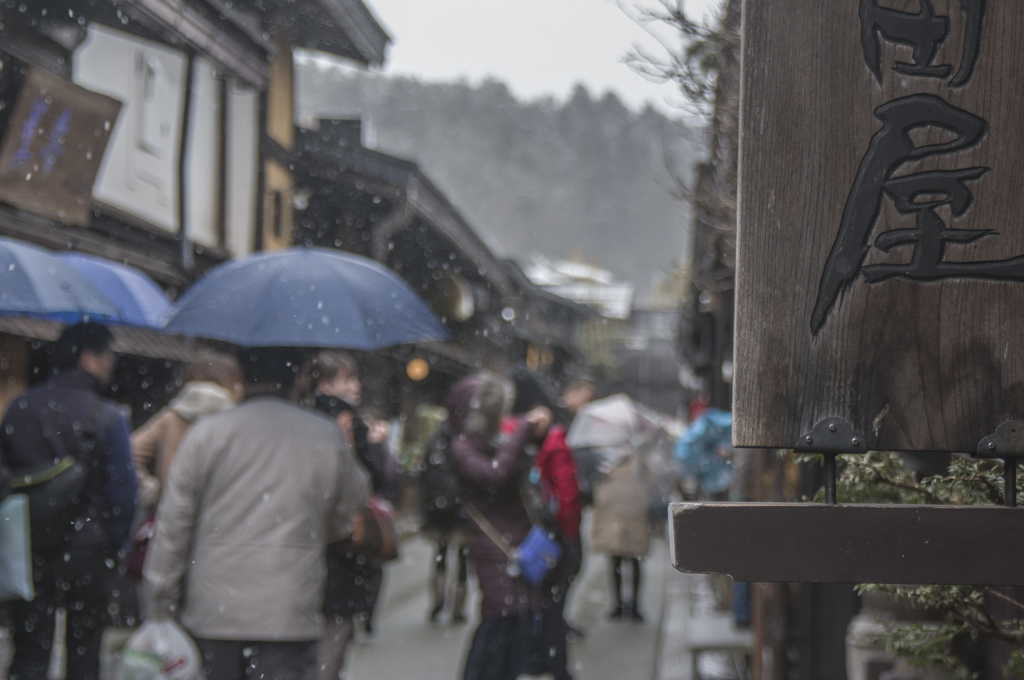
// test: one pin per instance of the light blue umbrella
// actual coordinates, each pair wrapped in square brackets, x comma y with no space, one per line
[304,297]
[34,283]
[139,301]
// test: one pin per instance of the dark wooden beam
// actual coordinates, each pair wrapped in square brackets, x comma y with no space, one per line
[201,30]
[805,542]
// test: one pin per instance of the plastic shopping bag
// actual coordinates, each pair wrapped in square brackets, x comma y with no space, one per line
[160,650]
[15,550]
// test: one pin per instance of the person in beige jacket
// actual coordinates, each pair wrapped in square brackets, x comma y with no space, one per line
[620,529]
[254,495]
[212,383]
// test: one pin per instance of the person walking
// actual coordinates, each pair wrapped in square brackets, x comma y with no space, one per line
[212,383]
[254,496]
[490,469]
[620,530]
[555,472]
[62,417]
[353,584]
[444,520]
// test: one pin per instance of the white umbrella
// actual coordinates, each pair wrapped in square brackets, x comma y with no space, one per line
[606,431]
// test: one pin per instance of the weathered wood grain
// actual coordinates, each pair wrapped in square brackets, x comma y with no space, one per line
[910,365]
[53,147]
[805,542]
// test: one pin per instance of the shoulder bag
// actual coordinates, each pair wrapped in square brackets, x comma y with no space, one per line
[374,532]
[535,556]
[54,494]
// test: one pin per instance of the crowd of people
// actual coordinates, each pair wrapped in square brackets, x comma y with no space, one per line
[252,486]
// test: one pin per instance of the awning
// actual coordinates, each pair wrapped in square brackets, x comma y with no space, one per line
[137,341]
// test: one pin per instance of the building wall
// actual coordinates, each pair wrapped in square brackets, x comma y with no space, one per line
[278,190]
[203,155]
[281,96]
[222,161]
[278,182]
[139,173]
[242,169]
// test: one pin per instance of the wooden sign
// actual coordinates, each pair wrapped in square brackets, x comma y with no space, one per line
[53,146]
[809,542]
[880,265]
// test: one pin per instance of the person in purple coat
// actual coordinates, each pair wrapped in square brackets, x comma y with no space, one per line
[490,469]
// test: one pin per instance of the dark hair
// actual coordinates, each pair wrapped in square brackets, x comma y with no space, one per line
[327,364]
[222,369]
[324,365]
[581,382]
[530,390]
[81,337]
[271,366]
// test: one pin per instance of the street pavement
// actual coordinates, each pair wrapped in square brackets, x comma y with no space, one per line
[684,628]
[404,645]
[680,622]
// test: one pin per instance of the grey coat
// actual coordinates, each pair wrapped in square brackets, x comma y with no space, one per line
[254,495]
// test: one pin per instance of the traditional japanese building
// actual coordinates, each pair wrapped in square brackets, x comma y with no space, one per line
[156,133]
[361,200]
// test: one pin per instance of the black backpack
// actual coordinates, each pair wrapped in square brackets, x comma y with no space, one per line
[55,493]
[440,487]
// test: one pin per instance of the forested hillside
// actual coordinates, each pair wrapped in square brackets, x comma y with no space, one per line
[586,178]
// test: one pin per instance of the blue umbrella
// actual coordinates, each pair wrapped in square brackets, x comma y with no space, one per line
[34,283]
[304,297]
[139,301]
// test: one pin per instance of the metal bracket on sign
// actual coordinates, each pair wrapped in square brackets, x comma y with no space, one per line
[1006,444]
[831,437]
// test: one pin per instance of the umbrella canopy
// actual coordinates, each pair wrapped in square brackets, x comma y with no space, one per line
[612,421]
[34,283]
[605,432]
[139,301]
[304,297]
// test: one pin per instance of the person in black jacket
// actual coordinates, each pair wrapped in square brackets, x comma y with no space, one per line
[352,584]
[5,483]
[65,416]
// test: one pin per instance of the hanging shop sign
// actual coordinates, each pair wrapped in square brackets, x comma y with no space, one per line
[880,282]
[880,268]
[53,146]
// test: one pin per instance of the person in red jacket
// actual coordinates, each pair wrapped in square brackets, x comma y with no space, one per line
[554,469]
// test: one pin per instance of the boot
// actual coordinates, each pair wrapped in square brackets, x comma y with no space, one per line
[458,608]
[439,587]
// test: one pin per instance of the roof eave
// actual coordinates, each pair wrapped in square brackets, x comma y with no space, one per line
[361,28]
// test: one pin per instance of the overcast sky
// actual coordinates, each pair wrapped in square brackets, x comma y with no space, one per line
[537,47]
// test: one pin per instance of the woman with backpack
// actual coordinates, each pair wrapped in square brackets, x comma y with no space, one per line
[443,517]
[489,467]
